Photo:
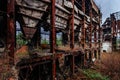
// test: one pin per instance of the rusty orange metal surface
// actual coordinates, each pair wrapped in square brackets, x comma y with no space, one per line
[53,34]
[29,32]
[11,30]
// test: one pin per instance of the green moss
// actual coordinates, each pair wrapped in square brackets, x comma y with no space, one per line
[94,75]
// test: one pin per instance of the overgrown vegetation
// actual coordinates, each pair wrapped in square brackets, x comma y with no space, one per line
[110,65]
[44,41]
[19,40]
[59,41]
[94,75]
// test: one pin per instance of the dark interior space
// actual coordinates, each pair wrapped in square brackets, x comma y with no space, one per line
[37,72]
[3,19]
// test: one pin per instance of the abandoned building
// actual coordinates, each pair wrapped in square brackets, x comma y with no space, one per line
[111,32]
[73,37]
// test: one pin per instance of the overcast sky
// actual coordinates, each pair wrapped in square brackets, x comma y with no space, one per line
[107,7]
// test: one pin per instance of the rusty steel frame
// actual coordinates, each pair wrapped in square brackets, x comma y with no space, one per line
[53,36]
[95,41]
[38,37]
[90,35]
[99,38]
[90,28]
[83,28]
[39,60]
[72,37]
[113,26]
[11,30]
[72,27]
[95,36]
[11,33]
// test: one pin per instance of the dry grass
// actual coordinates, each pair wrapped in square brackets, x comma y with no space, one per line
[110,65]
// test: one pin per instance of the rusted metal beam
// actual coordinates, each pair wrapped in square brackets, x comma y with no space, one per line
[36,60]
[53,27]
[99,43]
[99,36]
[83,30]
[72,37]
[113,25]
[90,27]
[33,65]
[53,39]
[11,30]
[83,27]
[38,37]
[113,34]
[95,36]
[90,31]
[95,42]
[72,27]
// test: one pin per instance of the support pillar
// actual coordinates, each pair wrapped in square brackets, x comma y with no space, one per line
[95,42]
[113,27]
[90,35]
[11,30]
[83,31]
[83,27]
[72,37]
[52,40]
[99,37]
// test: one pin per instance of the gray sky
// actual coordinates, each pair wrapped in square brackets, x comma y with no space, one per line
[107,7]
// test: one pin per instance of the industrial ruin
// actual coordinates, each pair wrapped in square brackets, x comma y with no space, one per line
[111,32]
[60,36]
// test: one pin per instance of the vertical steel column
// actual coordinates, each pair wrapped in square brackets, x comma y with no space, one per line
[53,34]
[11,30]
[90,42]
[83,31]
[95,37]
[72,27]
[99,36]
[95,42]
[72,36]
[113,26]
[83,28]
[38,37]
[99,42]
[112,30]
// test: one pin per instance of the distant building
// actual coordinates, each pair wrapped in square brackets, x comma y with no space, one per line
[111,33]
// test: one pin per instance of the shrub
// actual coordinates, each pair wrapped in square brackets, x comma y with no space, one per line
[110,65]
[94,75]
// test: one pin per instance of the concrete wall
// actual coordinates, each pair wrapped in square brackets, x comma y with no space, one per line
[106,46]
